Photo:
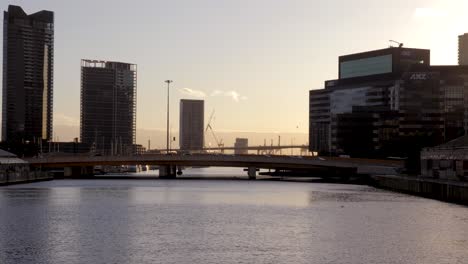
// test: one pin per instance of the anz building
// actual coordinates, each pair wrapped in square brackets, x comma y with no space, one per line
[386,100]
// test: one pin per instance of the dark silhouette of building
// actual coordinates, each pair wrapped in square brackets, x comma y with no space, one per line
[463,49]
[108,106]
[28,58]
[388,102]
[240,146]
[191,124]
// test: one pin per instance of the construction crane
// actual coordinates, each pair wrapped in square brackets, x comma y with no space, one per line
[219,143]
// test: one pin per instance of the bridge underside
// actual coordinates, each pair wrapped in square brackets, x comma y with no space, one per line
[171,171]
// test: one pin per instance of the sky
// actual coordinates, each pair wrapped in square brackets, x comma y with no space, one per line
[252,61]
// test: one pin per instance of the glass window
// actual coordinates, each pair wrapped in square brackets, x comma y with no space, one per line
[365,67]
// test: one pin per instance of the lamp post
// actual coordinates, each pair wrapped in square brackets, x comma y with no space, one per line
[167,128]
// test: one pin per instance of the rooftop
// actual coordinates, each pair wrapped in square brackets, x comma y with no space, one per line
[44,15]
[107,64]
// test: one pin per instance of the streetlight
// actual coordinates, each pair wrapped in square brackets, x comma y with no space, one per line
[167,128]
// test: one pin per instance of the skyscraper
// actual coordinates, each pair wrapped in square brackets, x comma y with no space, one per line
[463,49]
[108,106]
[28,58]
[191,124]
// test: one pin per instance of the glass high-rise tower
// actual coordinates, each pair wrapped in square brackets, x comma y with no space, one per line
[108,106]
[28,59]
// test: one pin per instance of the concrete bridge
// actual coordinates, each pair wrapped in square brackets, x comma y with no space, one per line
[168,163]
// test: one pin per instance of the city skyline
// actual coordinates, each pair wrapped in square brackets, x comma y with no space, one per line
[247,69]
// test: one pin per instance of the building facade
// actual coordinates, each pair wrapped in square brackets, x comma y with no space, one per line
[387,102]
[240,146]
[191,125]
[28,59]
[463,49]
[108,106]
[448,161]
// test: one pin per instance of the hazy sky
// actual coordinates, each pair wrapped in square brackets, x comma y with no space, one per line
[253,61]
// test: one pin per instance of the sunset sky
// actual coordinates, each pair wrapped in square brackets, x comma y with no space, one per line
[253,61]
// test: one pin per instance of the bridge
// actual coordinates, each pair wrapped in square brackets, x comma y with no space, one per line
[76,165]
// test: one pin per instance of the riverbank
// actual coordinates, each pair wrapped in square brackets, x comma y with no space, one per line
[443,190]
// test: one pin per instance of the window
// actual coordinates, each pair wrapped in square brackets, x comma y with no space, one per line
[366,66]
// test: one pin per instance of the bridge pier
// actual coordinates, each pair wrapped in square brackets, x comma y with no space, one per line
[167,172]
[252,173]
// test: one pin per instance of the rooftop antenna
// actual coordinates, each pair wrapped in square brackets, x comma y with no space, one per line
[400,45]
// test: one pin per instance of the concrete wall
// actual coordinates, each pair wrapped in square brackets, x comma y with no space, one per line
[441,190]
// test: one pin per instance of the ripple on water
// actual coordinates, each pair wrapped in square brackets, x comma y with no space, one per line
[128,221]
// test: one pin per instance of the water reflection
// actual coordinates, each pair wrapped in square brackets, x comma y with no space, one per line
[25,234]
[148,221]
[103,214]
[202,195]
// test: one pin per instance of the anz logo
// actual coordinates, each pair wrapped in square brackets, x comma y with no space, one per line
[420,76]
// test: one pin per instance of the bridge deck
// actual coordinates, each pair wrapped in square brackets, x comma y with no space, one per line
[258,161]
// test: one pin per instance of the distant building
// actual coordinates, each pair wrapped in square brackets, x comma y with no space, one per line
[388,101]
[448,161]
[463,49]
[108,106]
[191,124]
[241,145]
[137,149]
[65,147]
[28,59]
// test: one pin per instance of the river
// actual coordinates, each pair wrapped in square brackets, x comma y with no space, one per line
[225,221]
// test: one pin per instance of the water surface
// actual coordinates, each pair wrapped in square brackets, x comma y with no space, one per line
[225,221]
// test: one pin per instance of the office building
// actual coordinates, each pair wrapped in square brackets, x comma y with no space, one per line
[108,106]
[28,59]
[386,102]
[191,124]
[463,49]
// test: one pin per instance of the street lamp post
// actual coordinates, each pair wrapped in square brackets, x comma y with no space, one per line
[167,128]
